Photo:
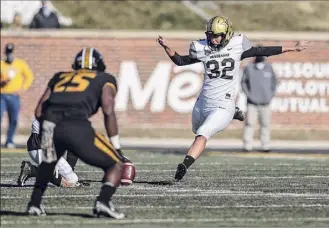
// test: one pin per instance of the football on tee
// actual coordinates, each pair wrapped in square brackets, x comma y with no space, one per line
[128,172]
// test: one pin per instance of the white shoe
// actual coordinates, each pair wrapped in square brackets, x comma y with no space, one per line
[36,211]
[10,146]
[109,210]
[247,148]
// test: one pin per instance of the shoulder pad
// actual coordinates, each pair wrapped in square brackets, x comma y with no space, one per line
[106,74]
[109,80]
[197,48]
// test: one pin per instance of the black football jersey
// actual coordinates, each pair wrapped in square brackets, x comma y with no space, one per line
[76,94]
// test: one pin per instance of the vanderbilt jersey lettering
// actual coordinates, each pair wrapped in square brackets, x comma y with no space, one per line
[76,93]
[222,67]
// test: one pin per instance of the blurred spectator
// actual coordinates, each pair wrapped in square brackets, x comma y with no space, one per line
[17,22]
[45,18]
[16,77]
[259,84]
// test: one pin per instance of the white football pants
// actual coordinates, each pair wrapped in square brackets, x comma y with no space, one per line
[211,118]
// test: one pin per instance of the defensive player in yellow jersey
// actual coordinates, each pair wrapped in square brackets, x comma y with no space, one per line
[16,77]
[221,53]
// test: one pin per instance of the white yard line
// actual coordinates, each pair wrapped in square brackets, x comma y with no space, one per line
[7,181]
[211,170]
[201,207]
[196,193]
[259,177]
[223,163]
[161,221]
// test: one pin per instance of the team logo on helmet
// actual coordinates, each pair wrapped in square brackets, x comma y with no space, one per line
[219,26]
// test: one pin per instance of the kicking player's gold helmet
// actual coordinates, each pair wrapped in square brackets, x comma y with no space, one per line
[221,26]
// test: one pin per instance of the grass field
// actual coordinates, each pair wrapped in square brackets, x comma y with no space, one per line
[220,189]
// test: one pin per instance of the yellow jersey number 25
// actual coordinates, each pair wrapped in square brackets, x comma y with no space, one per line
[74,81]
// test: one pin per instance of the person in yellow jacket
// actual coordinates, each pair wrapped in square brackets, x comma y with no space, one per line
[16,77]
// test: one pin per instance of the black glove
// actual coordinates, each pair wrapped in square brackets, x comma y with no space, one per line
[125,159]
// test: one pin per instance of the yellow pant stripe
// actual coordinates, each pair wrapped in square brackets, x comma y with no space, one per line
[104,140]
[107,143]
[100,145]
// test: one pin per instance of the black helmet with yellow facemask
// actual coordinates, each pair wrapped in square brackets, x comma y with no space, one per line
[219,26]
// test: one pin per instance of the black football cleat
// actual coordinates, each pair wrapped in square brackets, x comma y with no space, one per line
[238,115]
[25,174]
[181,171]
[35,211]
[107,210]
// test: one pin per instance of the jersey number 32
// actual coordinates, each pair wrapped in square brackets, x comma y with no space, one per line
[213,65]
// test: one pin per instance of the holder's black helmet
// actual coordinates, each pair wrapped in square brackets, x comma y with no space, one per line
[89,58]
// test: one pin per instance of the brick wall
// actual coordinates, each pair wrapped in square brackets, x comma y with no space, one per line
[47,54]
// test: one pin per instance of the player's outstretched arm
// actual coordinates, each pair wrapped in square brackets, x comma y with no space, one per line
[110,119]
[300,46]
[179,60]
[167,49]
[274,50]
[108,102]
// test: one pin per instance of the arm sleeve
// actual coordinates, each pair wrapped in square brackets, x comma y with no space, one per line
[182,60]
[28,76]
[35,126]
[261,51]
[245,82]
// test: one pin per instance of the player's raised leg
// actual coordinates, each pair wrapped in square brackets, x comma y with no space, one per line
[215,122]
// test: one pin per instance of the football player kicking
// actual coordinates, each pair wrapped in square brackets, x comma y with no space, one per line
[63,176]
[63,110]
[221,54]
